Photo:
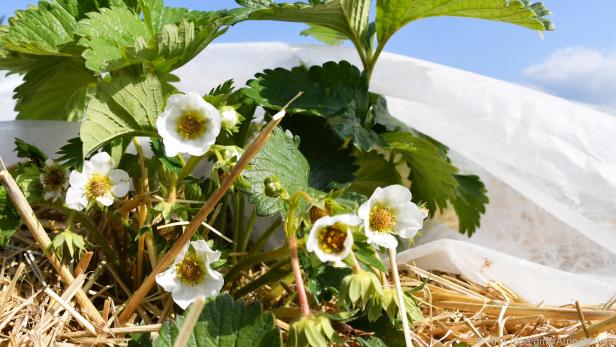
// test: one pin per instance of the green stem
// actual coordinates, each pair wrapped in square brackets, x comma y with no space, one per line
[236,220]
[189,167]
[369,68]
[297,273]
[356,266]
[248,230]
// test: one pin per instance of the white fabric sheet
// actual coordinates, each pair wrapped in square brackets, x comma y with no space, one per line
[549,164]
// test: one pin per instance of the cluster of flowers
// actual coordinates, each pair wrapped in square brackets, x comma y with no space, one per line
[387,214]
[190,125]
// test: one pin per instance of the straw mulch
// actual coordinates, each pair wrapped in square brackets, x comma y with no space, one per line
[36,309]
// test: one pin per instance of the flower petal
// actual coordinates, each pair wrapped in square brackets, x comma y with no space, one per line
[184,295]
[77,179]
[212,283]
[106,200]
[120,182]
[167,279]
[381,239]
[76,199]
[410,220]
[100,163]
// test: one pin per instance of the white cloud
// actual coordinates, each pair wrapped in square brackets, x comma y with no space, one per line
[577,73]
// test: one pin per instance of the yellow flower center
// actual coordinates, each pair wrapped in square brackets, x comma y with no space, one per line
[98,185]
[191,270]
[382,219]
[331,238]
[54,177]
[191,125]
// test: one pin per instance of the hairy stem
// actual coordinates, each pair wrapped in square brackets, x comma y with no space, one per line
[297,273]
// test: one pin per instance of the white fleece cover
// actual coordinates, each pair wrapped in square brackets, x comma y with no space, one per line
[549,232]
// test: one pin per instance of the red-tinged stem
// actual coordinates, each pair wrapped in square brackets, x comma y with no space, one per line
[297,273]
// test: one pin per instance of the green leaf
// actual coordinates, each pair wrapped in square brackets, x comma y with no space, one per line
[40,30]
[374,171]
[108,34]
[28,178]
[180,43]
[71,154]
[391,15]
[226,323]
[432,175]
[280,157]
[29,151]
[125,106]
[325,35]
[255,3]
[366,254]
[54,88]
[349,18]
[9,218]
[371,341]
[335,91]
[381,116]
[158,149]
[160,15]
[470,202]
[390,334]
[330,164]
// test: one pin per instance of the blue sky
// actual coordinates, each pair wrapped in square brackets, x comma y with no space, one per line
[578,61]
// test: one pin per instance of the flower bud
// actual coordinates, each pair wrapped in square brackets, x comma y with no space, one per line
[312,330]
[359,288]
[229,117]
[273,187]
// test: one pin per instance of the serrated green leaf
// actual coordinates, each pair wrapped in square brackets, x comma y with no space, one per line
[28,178]
[470,202]
[279,157]
[255,3]
[179,43]
[381,116]
[391,15]
[54,88]
[368,256]
[160,15]
[107,35]
[226,323]
[349,18]
[374,171]
[125,106]
[71,154]
[9,218]
[335,91]
[40,30]
[29,151]
[432,175]
[330,163]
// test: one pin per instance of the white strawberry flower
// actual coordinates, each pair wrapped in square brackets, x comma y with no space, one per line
[229,117]
[54,180]
[331,237]
[390,212]
[98,182]
[188,125]
[191,275]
